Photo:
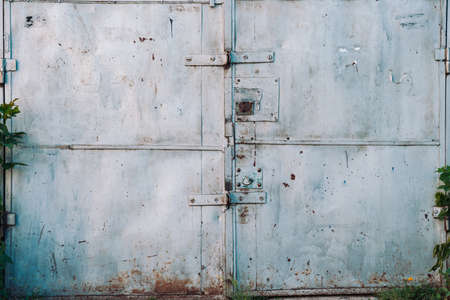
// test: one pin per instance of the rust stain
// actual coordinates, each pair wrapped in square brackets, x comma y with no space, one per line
[292,176]
[375,278]
[174,286]
[243,214]
[286,184]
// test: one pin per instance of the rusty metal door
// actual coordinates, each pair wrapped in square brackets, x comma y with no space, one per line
[119,133]
[342,132]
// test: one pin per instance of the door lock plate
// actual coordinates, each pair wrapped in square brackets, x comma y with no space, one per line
[249,178]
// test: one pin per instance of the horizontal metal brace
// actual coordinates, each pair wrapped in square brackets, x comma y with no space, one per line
[252,57]
[206,60]
[248,197]
[232,58]
[159,2]
[207,200]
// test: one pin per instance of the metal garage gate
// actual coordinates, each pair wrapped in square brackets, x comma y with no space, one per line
[177,146]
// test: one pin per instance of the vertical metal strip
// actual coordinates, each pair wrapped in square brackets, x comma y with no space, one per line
[443,87]
[233,161]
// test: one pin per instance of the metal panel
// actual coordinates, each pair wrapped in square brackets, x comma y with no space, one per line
[349,164]
[359,70]
[119,133]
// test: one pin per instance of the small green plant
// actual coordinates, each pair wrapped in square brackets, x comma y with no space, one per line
[412,292]
[441,252]
[8,139]
[240,294]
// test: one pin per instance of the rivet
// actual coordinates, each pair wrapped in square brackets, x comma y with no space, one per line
[240,198]
[245,57]
[192,200]
[188,58]
[212,58]
[215,199]
[259,170]
[238,170]
[261,198]
[269,57]
[238,184]
[259,184]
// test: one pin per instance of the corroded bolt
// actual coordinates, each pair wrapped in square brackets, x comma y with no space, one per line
[259,184]
[259,170]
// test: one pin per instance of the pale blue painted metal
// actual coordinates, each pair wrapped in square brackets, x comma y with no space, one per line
[329,123]
[349,165]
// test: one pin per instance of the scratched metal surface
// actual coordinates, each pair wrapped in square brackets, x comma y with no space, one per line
[349,202]
[348,69]
[111,217]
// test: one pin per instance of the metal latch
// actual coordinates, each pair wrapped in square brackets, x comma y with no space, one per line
[249,178]
[8,65]
[442,54]
[229,58]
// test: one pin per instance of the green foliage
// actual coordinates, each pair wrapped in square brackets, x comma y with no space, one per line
[239,294]
[421,292]
[441,252]
[8,140]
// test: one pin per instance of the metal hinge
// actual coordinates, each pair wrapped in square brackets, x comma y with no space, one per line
[229,58]
[8,65]
[236,197]
[208,200]
[9,219]
[248,197]
[442,54]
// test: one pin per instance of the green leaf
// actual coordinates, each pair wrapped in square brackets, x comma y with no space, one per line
[10,165]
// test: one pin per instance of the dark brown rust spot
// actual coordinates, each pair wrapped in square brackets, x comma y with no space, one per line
[243,214]
[245,108]
[292,176]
